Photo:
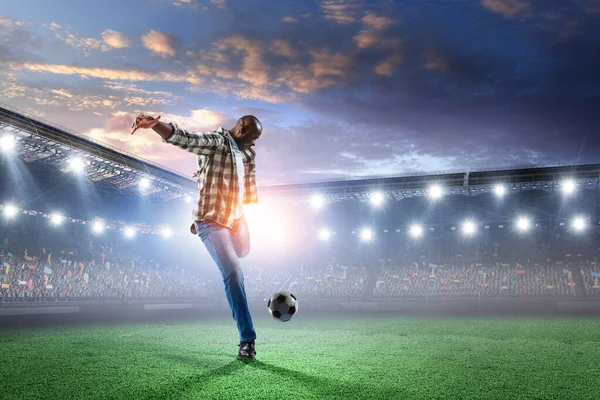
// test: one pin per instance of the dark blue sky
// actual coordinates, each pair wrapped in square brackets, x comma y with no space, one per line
[343,88]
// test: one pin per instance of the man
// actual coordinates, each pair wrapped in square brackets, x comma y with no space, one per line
[226,181]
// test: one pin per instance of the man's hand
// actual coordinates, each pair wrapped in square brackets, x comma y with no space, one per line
[144,122]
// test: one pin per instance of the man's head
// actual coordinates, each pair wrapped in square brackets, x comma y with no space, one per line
[246,131]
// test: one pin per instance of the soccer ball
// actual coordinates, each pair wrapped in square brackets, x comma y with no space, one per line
[282,306]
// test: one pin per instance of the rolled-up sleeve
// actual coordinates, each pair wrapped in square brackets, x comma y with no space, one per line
[201,143]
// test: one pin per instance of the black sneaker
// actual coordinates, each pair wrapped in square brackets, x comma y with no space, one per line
[247,351]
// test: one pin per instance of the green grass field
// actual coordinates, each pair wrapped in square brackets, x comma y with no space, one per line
[308,358]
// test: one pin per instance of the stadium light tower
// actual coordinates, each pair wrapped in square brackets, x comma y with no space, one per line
[77,165]
[144,183]
[415,231]
[435,191]
[98,226]
[469,228]
[523,224]
[366,235]
[324,234]
[56,219]
[10,210]
[129,232]
[8,143]
[376,199]
[499,190]
[568,186]
[579,224]
[317,201]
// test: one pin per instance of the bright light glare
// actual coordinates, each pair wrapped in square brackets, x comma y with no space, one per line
[579,224]
[77,165]
[416,231]
[366,234]
[56,219]
[317,201]
[167,233]
[98,226]
[435,191]
[129,232]
[523,224]
[267,223]
[7,143]
[188,198]
[469,228]
[144,183]
[499,190]
[377,198]
[10,210]
[568,186]
[324,234]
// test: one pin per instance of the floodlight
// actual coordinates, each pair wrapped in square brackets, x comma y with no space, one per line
[469,228]
[187,198]
[7,143]
[167,233]
[98,226]
[435,191]
[568,186]
[416,231]
[366,234]
[523,224]
[377,198]
[129,232]
[56,219]
[144,183]
[324,234]
[317,201]
[499,190]
[10,210]
[579,224]
[76,164]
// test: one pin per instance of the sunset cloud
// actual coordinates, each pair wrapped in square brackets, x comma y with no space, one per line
[508,8]
[115,40]
[160,43]
[109,73]
[341,11]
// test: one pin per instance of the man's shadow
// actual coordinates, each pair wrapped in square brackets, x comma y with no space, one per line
[319,386]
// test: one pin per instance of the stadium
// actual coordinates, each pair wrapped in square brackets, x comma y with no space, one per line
[469,271]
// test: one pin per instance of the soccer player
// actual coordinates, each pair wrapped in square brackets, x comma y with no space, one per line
[226,181]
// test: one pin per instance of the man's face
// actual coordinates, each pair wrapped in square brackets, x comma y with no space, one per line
[249,135]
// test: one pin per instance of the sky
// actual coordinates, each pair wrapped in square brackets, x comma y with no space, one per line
[344,89]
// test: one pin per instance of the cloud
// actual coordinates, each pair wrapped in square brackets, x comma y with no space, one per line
[81,99]
[109,73]
[115,39]
[9,23]
[84,44]
[290,19]
[508,8]
[160,43]
[373,36]
[341,11]
[219,3]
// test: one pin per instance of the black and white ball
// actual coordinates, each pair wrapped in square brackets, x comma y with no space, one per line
[282,306]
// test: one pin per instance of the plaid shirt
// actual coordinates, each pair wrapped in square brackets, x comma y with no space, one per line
[217,178]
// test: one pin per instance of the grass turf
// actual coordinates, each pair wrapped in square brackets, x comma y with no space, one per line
[382,357]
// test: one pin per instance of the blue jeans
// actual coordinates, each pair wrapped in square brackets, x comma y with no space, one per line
[226,247]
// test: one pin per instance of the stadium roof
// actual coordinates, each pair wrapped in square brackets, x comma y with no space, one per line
[45,142]
[41,141]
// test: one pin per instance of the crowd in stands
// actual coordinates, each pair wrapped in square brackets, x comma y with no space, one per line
[488,269]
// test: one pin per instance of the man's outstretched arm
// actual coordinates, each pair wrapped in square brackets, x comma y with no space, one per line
[197,143]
